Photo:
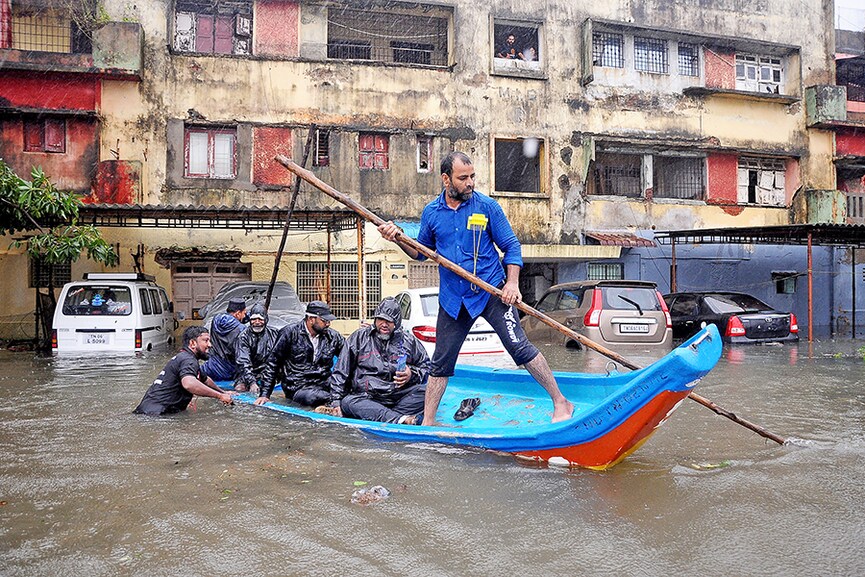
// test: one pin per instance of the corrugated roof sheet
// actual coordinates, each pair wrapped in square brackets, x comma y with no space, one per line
[619,239]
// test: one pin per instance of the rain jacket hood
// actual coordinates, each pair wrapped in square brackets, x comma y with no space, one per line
[258,309]
[389,310]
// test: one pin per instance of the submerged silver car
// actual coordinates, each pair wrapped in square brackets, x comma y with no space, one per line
[615,314]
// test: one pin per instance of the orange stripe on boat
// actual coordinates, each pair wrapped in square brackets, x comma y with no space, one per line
[608,450]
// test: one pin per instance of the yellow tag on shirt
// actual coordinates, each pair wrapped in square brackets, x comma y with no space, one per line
[477,221]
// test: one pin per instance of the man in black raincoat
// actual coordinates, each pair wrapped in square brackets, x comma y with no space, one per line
[381,374]
[253,347]
[302,358]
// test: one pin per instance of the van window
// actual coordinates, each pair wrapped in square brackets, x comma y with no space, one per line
[146,307]
[157,306]
[164,299]
[83,300]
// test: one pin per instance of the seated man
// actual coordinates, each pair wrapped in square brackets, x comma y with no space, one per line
[225,330]
[253,347]
[384,369]
[182,378]
[302,358]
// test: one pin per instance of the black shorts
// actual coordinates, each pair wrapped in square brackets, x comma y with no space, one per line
[451,334]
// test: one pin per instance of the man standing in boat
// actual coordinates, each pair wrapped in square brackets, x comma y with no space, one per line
[465,227]
[302,358]
[381,373]
[182,378]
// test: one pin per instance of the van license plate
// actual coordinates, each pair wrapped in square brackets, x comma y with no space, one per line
[626,328]
[476,338]
[95,339]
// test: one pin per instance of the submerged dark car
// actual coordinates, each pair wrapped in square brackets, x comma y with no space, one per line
[740,318]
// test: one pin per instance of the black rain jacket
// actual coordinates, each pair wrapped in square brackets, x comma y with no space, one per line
[252,349]
[368,363]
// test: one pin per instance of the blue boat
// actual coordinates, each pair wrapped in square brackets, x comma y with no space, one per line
[614,414]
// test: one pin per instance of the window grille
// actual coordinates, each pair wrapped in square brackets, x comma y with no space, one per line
[618,174]
[322,148]
[40,273]
[678,177]
[852,75]
[312,285]
[422,274]
[608,49]
[650,55]
[605,271]
[387,37]
[689,59]
[43,32]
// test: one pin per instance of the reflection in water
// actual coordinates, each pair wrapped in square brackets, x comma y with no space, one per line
[87,488]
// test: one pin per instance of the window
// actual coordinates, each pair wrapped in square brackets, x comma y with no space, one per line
[419,38]
[689,59]
[605,271]
[41,274]
[851,73]
[322,148]
[45,135]
[218,27]
[516,42]
[759,73]
[210,153]
[312,285]
[761,181]
[422,274]
[424,153]
[373,151]
[608,50]
[650,55]
[518,165]
[38,27]
[678,177]
[619,174]
[785,282]
[146,305]
[157,304]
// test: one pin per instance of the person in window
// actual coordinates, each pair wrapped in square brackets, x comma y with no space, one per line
[302,358]
[444,229]
[182,378]
[225,330]
[382,371]
[508,50]
[253,348]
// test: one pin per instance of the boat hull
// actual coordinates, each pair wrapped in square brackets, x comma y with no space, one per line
[614,414]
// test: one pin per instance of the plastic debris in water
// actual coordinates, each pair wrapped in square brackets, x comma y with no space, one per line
[370,495]
[709,466]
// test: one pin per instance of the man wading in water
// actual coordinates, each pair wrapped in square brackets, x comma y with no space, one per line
[445,228]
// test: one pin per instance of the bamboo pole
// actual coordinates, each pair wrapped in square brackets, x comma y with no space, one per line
[441,261]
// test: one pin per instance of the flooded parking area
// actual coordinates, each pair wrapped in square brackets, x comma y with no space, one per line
[88,488]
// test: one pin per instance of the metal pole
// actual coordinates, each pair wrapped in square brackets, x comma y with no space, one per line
[361,294]
[327,272]
[673,281]
[810,294]
[853,283]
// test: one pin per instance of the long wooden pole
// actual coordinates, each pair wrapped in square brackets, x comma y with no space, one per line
[456,269]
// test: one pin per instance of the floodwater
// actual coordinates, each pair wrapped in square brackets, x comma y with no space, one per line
[87,488]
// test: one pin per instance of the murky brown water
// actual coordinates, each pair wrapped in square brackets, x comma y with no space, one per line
[87,488]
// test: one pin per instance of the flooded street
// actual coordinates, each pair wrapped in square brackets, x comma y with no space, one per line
[87,488]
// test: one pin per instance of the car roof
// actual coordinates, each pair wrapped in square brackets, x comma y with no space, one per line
[603,283]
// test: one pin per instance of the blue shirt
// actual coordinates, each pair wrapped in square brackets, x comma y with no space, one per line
[446,231]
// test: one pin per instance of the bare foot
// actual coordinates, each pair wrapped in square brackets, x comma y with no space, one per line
[332,411]
[563,411]
[407,420]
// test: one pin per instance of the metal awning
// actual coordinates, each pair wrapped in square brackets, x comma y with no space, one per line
[618,239]
[797,234]
[217,217]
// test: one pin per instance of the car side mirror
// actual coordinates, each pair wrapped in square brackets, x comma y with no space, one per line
[170,307]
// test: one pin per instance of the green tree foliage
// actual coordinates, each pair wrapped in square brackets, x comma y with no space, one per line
[51,215]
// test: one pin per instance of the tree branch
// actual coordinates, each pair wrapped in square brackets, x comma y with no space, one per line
[23,212]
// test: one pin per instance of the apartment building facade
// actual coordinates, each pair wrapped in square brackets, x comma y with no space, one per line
[604,124]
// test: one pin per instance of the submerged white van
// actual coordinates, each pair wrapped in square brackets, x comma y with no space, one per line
[112,312]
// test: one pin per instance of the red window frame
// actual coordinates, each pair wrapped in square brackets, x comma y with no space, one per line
[373,151]
[211,138]
[45,135]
